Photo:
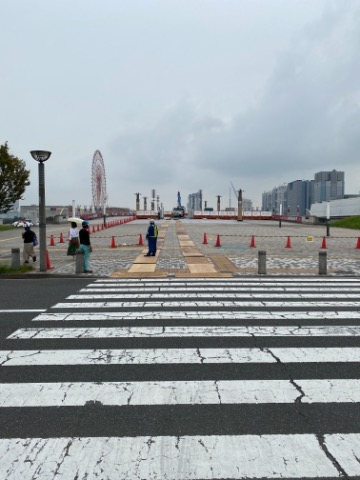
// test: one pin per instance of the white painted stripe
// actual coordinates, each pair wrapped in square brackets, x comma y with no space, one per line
[189,331]
[197,315]
[188,458]
[345,448]
[177,356]
[23,310]
[179,393]
[252,303]
[229,281]
[150,296]
[210,289]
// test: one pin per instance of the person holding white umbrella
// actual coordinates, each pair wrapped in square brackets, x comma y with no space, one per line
[73,237]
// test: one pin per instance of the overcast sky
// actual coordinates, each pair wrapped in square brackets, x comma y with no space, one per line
[181,95]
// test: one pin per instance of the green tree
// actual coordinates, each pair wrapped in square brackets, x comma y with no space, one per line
[14,178]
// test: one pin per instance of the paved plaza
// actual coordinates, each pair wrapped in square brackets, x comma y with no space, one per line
[212,248]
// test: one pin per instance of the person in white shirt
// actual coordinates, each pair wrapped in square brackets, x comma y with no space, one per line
[73,238]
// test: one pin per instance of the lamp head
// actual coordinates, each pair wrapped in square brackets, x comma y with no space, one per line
[40,155]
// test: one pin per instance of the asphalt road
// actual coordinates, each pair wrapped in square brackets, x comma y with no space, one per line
[35,292]
[179,379]
[22,299]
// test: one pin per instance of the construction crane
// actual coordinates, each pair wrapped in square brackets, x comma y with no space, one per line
[179,210]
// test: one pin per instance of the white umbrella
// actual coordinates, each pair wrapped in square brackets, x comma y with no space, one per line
[76,220]
[20,224]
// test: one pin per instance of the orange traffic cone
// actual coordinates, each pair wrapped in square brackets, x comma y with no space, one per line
[98,228]
[93,229]
[47,258]
[205,239]
[113,243]
[252,243]
[323,244]
[52,242]
[358,243]
[217,244]
[61,238]
[140,240]
[288,243]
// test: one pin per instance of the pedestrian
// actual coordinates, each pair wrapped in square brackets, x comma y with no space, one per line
[151,236]
[29,239]
[85,245]
[73,237]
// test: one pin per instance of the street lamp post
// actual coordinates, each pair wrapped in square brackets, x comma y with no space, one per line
[104,209]
[41,156]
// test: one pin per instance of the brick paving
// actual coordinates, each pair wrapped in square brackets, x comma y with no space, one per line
[188,248]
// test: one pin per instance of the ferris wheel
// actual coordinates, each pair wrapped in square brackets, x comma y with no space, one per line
[98,182]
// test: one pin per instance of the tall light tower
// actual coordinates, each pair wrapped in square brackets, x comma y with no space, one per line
[41,156]
[240,209]
[153,195]
[137,201]
[218,203]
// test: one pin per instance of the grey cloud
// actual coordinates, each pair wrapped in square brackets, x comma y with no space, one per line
[310,112]
[164,150]
[307,120]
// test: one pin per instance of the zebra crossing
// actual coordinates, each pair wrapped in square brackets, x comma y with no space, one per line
[187,379]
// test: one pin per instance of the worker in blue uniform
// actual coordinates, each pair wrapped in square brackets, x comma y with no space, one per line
[151,236]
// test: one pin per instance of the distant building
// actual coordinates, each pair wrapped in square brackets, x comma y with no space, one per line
[247,205]
[272,200]
[328,186]
[60,213]
[299,197]
[267,201]
[194,203]
[345,207]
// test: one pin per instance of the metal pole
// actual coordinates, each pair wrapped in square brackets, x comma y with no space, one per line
[280,215]
[42,218]
[328,219]
[104,210]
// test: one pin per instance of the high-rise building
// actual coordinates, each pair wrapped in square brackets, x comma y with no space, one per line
[299,197]
[271,201]
[266,202]
[194,203]
[328,186]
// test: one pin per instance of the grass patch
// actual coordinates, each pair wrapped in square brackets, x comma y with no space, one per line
[348,222]
[8,227]
[6,270]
